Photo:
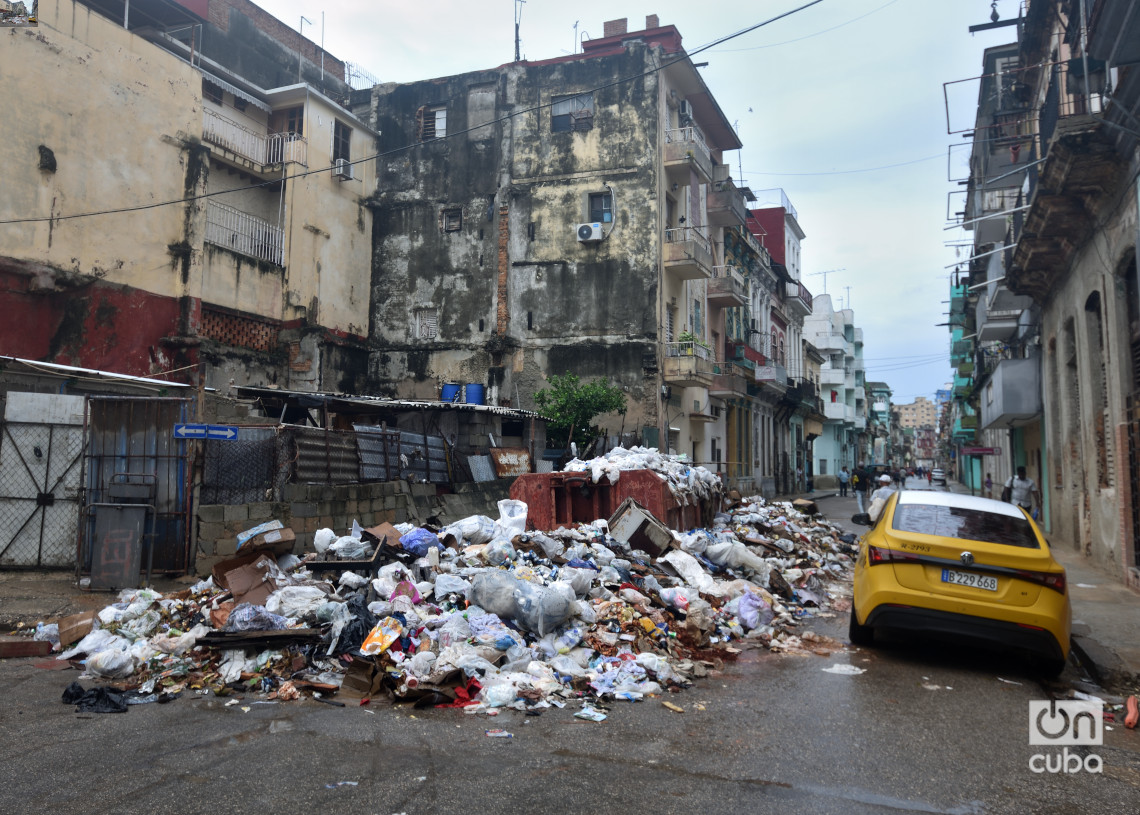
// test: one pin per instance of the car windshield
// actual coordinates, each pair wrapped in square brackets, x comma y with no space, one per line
[967,524]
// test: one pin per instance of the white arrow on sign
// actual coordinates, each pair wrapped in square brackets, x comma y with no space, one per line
[218,431]
[190,431]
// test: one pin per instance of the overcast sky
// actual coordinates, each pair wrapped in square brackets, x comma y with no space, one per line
[841,105]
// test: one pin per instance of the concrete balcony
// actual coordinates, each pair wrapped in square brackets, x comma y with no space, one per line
[727,288]
[1012,395]
[688,365]
[860,422]
[243,233]
[688,253]
[797,299]
[251,149]
[838,412]
[832,376]
[686,154]
[827,344]
[726,204]
[731,380]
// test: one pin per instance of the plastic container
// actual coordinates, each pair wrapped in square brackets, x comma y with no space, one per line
[451,392]
[475,394]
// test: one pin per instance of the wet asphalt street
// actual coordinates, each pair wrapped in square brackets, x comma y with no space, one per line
[926,727]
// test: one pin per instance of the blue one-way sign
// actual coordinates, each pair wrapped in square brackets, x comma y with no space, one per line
[205,431]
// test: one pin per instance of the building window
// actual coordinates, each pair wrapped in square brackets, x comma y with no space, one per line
[239,103]
[342,137]
[293,121]
[427,323]
[212,93]
[601,207]
[452,220]
[431,123]
[569,113]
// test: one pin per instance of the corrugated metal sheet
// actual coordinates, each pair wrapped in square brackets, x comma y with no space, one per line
[325,456]
[389,455]
[510,462]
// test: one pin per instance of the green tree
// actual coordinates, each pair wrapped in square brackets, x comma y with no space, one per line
[570,406]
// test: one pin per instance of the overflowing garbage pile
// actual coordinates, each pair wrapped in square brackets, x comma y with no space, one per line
[478,614]
[688,483]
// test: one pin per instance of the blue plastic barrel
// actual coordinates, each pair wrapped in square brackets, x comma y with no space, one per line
[450,392]
[474,394]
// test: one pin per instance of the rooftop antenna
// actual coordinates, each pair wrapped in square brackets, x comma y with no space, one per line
[825,273]
[848,301]
[576,36]
[518,19]
[301,31]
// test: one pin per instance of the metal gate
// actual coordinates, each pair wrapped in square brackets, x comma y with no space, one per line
[131,440]
[41,456]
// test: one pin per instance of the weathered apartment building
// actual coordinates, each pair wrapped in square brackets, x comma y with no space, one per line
[1046,314]
[218,220]
[180,195]
[577,214]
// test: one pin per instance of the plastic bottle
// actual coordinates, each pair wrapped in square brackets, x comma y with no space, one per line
[568,639]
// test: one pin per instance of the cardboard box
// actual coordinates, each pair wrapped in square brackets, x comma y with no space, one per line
[383,532]
[251,583]
[277,540]
[223,567]
[76,627]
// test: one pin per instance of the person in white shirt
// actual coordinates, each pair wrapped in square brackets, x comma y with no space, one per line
[1023,491]
[885,489]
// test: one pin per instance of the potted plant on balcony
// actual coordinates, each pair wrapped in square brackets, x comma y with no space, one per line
[691,339]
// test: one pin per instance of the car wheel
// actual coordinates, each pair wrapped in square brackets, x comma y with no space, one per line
[1049,668]
[859,634]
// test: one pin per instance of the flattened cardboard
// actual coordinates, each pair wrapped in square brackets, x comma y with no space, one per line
[76,627]
[250,583]
[223,566]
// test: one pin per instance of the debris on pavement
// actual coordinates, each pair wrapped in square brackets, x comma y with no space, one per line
[482,614]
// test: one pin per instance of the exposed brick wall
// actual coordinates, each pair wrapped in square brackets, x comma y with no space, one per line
[234,329]
[613,28]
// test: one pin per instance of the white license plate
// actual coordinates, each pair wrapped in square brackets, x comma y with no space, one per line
[978,581]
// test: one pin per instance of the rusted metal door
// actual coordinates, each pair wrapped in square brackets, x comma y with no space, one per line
[41,459]
[132,439]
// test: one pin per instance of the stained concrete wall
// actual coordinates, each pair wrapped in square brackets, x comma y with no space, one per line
[518,297]
[120,118]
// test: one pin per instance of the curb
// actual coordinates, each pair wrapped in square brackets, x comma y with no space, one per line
[1101,663]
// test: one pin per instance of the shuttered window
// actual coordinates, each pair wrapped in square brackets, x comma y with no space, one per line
[431,123]
[427,323]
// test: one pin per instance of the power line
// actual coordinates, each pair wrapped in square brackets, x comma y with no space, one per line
[862,170]
[397,150]
[816,34]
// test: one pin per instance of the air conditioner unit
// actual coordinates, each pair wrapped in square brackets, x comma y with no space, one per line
[342,169]
[587,233]
[685,109]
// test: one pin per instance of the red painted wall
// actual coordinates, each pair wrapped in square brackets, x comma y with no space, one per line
[770,220]
[97,325]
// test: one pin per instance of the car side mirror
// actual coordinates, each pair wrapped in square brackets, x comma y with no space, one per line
[862,518]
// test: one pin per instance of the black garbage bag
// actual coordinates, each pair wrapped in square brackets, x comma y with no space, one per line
[354,633]
[95,700]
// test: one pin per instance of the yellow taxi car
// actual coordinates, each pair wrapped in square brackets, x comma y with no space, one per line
[948,564]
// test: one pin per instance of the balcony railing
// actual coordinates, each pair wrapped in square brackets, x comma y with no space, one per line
[726,288]
[688,252]
[259,147]
[798,296]
[243,233]
[685,149]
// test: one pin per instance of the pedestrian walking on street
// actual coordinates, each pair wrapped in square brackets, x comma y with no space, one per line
[989,486]
[1023,491]
[844,478]
[861,482]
